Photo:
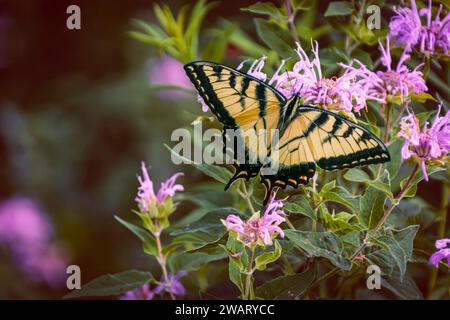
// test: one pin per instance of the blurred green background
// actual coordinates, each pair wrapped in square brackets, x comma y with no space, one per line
[77,116]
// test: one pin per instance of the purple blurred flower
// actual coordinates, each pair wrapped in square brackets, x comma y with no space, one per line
[167,71]
[428,143]
[172,285]
[27,232]
[143,293]
[22,224]
[146,195]
[433,37]
[258,230]
[443,253]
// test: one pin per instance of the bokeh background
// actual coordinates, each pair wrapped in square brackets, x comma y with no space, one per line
[78,114]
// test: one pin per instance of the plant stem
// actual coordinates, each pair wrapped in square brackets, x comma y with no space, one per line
[162,262]
[400,113]
[247,196]
[291,21]
[248,279]
[388,123]
[440,234]
[397,199]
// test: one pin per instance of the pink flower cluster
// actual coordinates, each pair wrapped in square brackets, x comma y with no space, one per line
[428,143]
[258,230]
[348,92]
[431,36]
[26,231]
[146,195]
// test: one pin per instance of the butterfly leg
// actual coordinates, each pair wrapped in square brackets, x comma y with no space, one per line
[245,170]
[291,175]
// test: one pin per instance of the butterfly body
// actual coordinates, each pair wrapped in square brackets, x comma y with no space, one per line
[286,139]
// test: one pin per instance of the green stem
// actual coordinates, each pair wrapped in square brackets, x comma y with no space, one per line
[248,290]
[246,196]
[441,234]
[396,201]
[387,112]
[291,21]
[162,262]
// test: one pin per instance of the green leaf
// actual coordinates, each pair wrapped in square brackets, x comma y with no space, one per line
[210,223]
[356,175]
[383,184]
[393,166]
[300,206]
[336,196]
[149,243]
[320,244]
[286,287]
[274,37]
[328,187]
[400,246]
[351,201]
[412,189]
[383,259]
[340,222]
[267,8]
[339,8]
[234,272]
[192,261]
[405,290]
[364,57]
[423,97]
[112,284]
[216,48]
[218,173]
[236,265]
[371,207]
[268,257]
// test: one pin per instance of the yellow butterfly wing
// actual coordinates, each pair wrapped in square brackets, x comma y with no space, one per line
[316,136]
[240,102]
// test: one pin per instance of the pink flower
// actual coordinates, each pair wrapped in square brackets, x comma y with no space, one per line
[400,81]
[442,253]
[258,230]
[381,85]
[442,243]
[428,143]
[348,92]
[167,71]
[200,100]
[146,195]
[143,293]
[408,30]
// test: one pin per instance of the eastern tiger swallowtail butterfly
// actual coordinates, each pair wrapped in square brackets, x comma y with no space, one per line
[308,136]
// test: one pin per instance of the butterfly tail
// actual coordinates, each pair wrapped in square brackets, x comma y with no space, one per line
[269,186]
[237,175]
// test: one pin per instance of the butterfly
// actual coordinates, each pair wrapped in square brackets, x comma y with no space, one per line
[307,136]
